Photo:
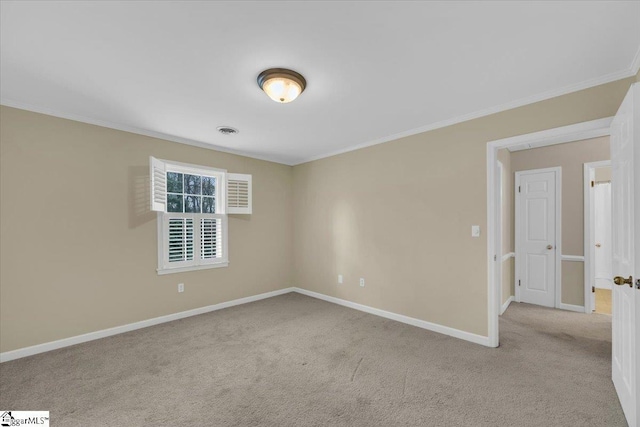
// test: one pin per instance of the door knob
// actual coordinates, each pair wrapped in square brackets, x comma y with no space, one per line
[549,247]
[598,245]
[619,280]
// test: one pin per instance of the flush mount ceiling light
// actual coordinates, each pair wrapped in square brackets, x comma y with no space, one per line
[281,85]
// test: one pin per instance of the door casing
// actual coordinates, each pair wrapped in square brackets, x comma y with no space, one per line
[499,226]
[575,132]
[589,228]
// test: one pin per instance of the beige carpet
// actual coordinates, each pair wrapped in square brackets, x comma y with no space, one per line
[297,361]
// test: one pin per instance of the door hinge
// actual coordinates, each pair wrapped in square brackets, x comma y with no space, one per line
[495,257]
[519,282]
[593,289]
[519,189]
[593,183]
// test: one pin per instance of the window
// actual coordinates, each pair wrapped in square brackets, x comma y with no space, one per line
[193,203]
[191,193]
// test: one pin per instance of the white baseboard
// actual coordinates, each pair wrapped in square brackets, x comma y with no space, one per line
[66,342]
[506,304]
[574,258]
[571,307]
[456,333]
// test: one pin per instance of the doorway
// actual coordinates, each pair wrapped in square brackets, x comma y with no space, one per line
[577,132]
[625,186]
[598,249]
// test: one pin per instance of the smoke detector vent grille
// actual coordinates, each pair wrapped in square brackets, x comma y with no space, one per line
[227,130]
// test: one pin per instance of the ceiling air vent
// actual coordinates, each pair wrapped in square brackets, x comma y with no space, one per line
[227,130]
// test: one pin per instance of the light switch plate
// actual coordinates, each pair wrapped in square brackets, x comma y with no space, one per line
[475,231]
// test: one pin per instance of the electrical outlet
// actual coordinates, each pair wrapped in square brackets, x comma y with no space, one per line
[180,287]
[340,278]
[362,282]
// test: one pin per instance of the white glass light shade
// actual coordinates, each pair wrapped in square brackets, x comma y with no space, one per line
[282,90]
[281,85]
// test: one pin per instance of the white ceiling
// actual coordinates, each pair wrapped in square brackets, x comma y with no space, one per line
[375,70]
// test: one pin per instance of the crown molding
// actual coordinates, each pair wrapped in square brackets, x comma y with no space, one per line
[277,159]
[618,75]
[138,131]
[635,65]
[571,133]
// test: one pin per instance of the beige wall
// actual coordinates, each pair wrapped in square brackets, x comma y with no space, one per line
[571,157]
[399,214]
[572,291]
[508,265]
[78,243]
[508,278]
[603,174]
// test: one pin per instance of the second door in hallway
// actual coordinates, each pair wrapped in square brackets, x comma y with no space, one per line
[537,218]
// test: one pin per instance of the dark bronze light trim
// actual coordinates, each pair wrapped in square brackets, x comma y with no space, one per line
[281,72]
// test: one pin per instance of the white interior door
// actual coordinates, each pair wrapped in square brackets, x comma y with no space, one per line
[536,220]
[602,235]
[625,183]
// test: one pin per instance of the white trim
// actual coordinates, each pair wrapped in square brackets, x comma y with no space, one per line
[163,271]
[66,342]
[446,330]
[190,168]
[91,336]
[493,292]
[571,307]
[592,129]
[499,225]
[635,64]
[507,256]
[163,217]
[481,113]
[137,131]
[570,133]
[506,304]
[558,238]
[277,159]
[574,258]
[589,225]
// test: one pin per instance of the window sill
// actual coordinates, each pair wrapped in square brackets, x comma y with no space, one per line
[194,268]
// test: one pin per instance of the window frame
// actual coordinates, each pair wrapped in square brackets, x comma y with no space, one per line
[163,217]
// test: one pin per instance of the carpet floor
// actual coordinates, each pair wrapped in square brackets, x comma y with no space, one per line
[293,360]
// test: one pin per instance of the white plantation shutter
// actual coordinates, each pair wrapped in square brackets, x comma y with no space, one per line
[180,240]
[158,175]
[193,202]
[238,193]
[210,238]
[193,240]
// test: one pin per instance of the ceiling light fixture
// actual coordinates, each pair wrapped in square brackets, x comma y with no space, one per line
[281,85]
